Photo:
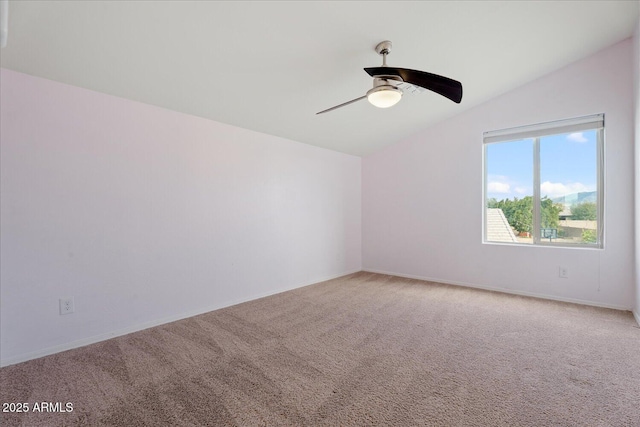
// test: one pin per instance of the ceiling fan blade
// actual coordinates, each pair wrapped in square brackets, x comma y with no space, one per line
[408,87]
[342,105]
[444,86]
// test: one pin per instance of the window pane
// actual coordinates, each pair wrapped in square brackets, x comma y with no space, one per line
[509,191]
[568,188]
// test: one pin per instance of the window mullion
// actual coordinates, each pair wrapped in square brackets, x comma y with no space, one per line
[536,192]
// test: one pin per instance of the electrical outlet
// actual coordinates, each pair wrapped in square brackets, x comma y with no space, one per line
[66,305]
[563,272]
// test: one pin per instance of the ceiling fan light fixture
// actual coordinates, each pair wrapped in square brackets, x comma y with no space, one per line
[384,96]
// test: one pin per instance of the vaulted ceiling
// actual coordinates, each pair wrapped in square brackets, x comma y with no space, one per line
[270,66]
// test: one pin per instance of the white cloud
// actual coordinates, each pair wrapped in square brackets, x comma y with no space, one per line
[557,189]
[577,137]
[520,190]
[498,187]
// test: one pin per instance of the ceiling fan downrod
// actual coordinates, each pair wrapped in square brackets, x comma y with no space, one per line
[384,48]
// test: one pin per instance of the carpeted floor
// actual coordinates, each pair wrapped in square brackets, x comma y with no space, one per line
[365,349]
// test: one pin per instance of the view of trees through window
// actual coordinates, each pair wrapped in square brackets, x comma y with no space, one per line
[519,215]
[544,189]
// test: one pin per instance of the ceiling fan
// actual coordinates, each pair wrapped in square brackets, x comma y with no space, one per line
[389,83]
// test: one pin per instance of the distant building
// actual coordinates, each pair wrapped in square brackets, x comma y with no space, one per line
[566,213]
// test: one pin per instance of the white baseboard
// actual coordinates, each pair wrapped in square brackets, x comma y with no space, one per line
[504,290]
[636,314]
[139,327]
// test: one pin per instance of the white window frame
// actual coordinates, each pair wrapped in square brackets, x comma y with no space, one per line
[535,132]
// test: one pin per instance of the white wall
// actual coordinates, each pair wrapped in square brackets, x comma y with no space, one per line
[144,215]
[422,198]
[636,84]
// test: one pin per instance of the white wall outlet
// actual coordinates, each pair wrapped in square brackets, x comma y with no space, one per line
[563,272]
[66,305]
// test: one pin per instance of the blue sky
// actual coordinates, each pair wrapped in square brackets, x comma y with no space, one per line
[567,166]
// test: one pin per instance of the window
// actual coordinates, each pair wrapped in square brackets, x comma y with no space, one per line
[543,184]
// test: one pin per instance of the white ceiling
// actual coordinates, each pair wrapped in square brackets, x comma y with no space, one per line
[270,66]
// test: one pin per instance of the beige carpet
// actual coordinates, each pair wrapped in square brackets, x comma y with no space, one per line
[365,349]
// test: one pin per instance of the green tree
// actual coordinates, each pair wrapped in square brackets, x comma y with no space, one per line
[588,236]
[549,213]
[522,214]
[517,211]
[584,211]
